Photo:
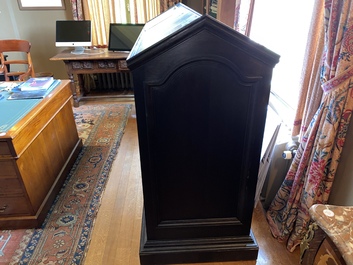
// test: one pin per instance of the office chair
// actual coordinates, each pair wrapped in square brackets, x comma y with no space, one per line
[21,69]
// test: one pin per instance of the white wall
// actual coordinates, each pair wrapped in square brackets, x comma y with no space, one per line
[38,27]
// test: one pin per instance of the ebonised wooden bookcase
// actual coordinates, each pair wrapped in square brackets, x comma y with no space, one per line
[201,93]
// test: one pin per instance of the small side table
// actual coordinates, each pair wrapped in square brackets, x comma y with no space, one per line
[330,238]
[44,74]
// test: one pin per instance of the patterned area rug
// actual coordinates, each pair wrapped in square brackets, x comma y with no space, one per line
[65,234]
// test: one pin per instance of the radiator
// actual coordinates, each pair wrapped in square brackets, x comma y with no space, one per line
[109,82]
[277,153]
[272,128]
[281,160]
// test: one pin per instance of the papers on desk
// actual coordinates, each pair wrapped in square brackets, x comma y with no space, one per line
[35,94]
[7,85]
[19,93]
[36,83]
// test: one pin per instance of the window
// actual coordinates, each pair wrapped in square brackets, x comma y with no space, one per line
[282,27]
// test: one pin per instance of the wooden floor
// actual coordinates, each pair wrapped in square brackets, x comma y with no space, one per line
[116,233]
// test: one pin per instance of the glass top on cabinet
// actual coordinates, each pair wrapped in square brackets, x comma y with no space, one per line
[162,26]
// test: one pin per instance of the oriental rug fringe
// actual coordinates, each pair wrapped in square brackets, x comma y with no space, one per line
[65,234]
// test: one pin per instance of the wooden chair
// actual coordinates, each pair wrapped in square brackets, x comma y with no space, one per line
[21,69]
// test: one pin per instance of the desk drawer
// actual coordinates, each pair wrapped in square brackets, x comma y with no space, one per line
[5,149]
[13,206]
[10,186]
[8,168]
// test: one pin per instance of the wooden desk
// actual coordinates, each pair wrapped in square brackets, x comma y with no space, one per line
[36,155]
[99,61]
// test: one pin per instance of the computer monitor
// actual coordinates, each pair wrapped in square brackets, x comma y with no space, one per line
[73,33]
[122,37]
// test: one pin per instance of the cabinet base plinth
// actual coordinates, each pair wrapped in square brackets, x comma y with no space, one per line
[198,250]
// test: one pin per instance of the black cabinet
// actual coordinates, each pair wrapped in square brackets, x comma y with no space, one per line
[201,95]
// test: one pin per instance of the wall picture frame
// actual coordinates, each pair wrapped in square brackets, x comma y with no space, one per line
[41,4]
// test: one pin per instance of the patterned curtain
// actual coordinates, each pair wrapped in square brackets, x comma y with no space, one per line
[104,12]
[77,11]
[243,16]
[166,4]
[310,95]
[310,177]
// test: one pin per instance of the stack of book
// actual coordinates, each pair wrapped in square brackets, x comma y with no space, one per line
[33,88]
[36,83]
